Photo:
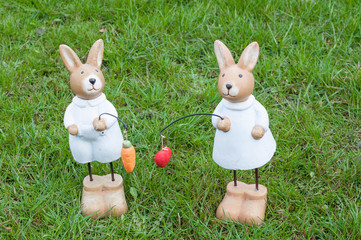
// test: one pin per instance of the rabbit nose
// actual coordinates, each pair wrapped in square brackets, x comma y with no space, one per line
[228,86]
[92,80]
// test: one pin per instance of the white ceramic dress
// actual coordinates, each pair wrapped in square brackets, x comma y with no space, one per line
[237,149]
[91,145]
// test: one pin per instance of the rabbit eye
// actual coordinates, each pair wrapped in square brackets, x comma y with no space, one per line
[96,70]
[240,75]
[82,72]
[223,74]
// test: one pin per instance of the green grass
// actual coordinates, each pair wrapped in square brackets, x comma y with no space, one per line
[159,65]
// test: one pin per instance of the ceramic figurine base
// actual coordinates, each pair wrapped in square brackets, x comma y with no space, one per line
[243,203]
[103,197]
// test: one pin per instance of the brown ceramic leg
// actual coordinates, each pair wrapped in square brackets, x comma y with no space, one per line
[256,172]
[235,177]
[90,172]
[112,171]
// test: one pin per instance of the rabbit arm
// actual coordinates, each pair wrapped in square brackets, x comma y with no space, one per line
[218,112]
[107,107]
[68,116]
[84,130]
[69,120]
[261,116]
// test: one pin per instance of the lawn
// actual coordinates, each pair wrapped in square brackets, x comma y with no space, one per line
[159,65]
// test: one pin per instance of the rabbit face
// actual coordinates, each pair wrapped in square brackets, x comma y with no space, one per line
[86,80]
[235,84]
[236,81]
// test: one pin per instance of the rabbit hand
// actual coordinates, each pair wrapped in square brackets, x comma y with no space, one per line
[258,132]
[99,124]
[73,129]
[224,125]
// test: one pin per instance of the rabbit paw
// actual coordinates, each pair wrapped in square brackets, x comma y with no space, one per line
[257,132]
[73,129]
[224,125]
[99,124]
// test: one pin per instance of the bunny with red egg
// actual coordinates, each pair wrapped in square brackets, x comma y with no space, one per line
[243,140]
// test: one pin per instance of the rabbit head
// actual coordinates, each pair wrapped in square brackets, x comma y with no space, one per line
[86,80]
[236,81]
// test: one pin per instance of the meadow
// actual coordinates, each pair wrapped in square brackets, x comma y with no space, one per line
[159,65]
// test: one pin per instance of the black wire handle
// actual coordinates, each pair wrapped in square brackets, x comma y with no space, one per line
[124,124]
[191,115]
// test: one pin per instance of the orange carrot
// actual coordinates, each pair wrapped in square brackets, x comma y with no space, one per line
[128,156]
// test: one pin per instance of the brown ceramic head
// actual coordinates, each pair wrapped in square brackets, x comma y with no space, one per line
[86,80]
[236,81]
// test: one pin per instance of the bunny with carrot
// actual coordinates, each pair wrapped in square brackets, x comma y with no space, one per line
[94,133]
[90,138]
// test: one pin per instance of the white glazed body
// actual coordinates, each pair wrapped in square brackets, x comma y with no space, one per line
[237,149]
[91,145]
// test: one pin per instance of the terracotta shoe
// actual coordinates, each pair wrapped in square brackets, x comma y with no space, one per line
[103,197]
[243,203]
[115,199]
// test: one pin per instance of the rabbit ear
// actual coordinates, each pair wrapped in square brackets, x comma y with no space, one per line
[249,57]
[223,55]
[70,59]
[95,56]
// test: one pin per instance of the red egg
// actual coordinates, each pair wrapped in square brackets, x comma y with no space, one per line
[162,157]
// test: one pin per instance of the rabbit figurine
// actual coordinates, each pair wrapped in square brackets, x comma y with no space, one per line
[92,138]
[243,139]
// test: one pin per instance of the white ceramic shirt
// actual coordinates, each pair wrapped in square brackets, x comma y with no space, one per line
[91,145]
[237,149]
